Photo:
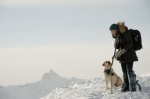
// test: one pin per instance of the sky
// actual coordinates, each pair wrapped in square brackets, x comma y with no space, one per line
[71,37]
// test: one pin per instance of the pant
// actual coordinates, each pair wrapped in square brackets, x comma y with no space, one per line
[129,75]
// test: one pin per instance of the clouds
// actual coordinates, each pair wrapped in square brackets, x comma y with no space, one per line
[46,25]
[50,2]
[60,2]
[67,23]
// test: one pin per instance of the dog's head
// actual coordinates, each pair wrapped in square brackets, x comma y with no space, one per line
[107,65]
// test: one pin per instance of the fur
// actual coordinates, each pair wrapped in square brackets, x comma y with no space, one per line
[122,27]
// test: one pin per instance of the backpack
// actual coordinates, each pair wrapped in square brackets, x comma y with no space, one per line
[137,39]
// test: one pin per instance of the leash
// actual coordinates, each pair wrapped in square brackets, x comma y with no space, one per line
[112,65]
[110,69]
[113,57]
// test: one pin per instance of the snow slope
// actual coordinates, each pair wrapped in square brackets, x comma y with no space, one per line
[36,90]
[95,89]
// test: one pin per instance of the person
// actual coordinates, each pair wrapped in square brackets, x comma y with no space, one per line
[126,55]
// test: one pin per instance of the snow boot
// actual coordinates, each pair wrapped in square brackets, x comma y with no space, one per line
[132,79]
[125,88]
[125,85]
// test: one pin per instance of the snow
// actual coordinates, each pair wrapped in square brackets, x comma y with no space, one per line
[145,74]
[53,86]
[36,90]
[95,89]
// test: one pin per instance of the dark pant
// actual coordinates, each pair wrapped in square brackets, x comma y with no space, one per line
[127,69]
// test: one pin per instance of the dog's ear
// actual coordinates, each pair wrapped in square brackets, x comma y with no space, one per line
[110,63]
[103,64]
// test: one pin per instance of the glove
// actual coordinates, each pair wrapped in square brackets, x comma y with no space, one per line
[121,52]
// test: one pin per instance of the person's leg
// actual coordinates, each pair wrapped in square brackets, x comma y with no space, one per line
[132,76]
[129,67]
[125,86]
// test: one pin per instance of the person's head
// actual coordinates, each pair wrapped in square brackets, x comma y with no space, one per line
[114,29]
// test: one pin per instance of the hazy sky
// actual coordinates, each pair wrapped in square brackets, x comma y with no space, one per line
[71,37]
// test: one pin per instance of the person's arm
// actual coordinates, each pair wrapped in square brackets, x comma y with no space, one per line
[116,44]
[129,41]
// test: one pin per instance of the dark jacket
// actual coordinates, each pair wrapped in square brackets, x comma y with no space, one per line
[125,42]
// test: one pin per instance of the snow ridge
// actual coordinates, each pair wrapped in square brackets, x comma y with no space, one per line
[95,89]
[36,90]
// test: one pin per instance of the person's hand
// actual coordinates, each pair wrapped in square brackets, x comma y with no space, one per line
[121,52]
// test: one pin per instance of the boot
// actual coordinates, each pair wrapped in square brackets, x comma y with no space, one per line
[125,88]
[125,85]
[132,79]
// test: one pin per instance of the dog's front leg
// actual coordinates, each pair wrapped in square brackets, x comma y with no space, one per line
[107,84]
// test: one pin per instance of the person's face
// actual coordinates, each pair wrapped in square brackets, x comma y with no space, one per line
[113,32]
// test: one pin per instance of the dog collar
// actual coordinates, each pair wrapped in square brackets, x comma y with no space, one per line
[108,72]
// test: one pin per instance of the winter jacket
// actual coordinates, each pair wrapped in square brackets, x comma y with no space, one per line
[124,41]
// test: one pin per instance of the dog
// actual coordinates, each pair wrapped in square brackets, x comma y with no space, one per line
[116,80]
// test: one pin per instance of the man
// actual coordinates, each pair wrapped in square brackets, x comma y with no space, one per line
[126,55]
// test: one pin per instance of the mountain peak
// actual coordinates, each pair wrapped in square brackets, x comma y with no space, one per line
[52,71]
[50,75]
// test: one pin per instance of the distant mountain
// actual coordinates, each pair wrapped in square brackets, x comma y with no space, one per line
[36,90]
[95,89]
